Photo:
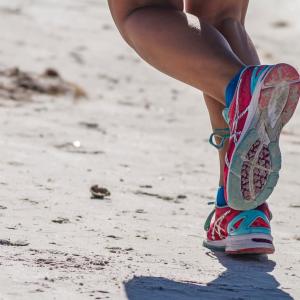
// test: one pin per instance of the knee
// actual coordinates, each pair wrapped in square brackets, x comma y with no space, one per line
[217,13]
[229,23]
[123,11]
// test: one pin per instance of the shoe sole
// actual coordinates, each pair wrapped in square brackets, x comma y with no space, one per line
[243,244]
[256,161]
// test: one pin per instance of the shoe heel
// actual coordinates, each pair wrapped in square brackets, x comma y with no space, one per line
[280,94]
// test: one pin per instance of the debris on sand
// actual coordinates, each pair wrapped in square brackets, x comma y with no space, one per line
[68,145]
[22,86]
[146,186]
[76,147]
[13,244]
[99,192]
[181,196]
[89,125]
[112,236]
[162,197]
[29,201]
[92,126]
[280,24]
[61,220]
[166,198]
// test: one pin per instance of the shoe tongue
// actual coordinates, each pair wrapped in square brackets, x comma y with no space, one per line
[220,199]
[225,114]
[231,87]
[257,72]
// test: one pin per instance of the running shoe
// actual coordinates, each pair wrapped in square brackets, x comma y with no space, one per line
[264,101]
[239,232]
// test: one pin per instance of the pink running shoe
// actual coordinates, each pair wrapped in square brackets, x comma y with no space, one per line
[240,232]
[264,101]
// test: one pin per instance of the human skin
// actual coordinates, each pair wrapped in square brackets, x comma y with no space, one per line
[202,43]
[229,18]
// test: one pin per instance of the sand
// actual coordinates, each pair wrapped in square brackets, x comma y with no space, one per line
[142,136]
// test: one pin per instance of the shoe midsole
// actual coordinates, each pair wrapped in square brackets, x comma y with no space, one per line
[247,241]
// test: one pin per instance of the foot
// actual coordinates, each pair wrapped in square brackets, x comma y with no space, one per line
[264,101]
[240,232]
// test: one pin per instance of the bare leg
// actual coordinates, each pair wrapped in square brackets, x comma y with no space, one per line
[177,43]
[229,19]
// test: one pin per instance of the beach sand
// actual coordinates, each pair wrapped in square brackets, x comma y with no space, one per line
[141,135]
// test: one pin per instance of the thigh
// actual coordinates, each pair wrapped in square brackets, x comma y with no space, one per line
[121,9]
[215,11]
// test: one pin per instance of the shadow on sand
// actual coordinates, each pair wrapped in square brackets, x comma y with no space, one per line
[246,277]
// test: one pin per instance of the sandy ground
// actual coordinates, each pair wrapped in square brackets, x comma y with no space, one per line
[141,135]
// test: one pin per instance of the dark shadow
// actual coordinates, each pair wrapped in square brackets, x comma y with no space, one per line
[246,277]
